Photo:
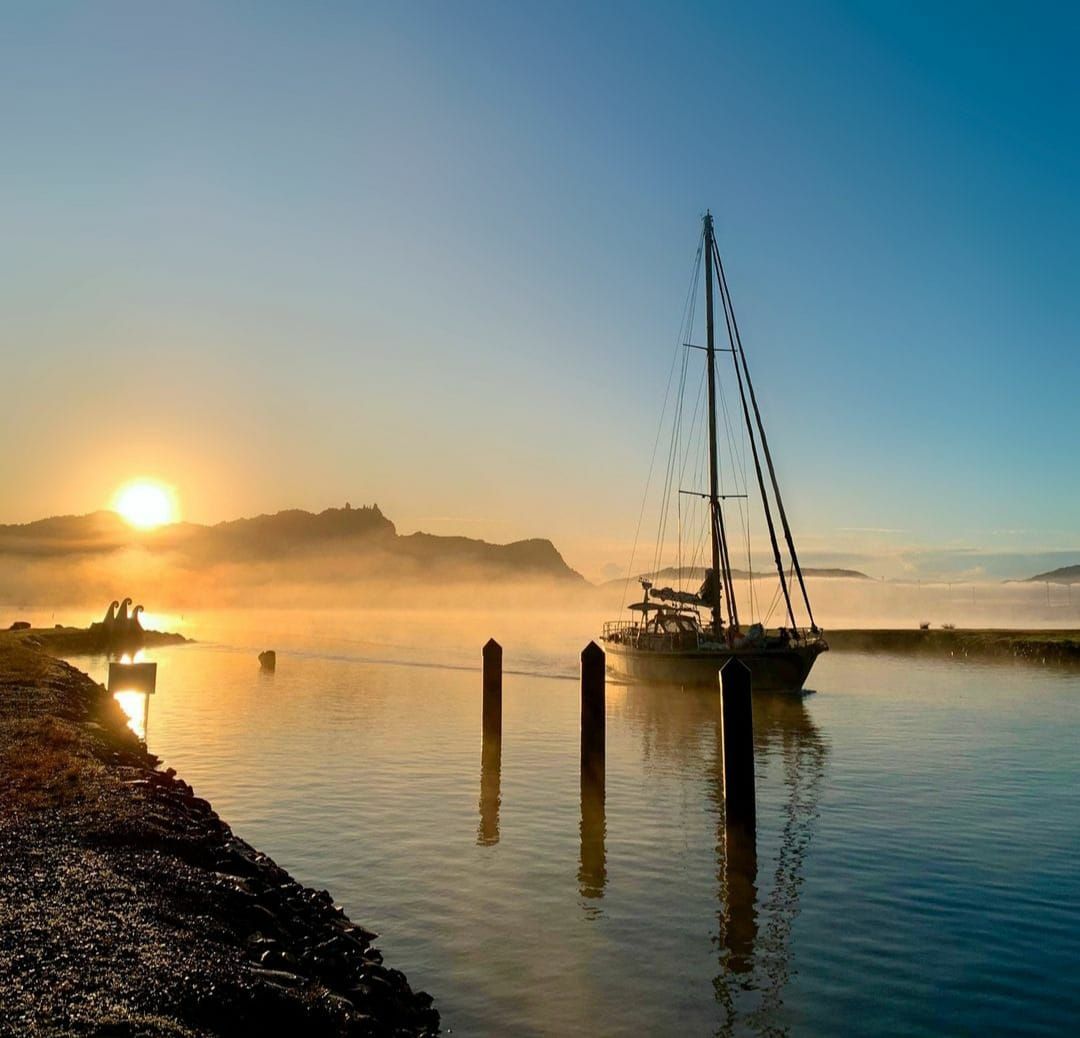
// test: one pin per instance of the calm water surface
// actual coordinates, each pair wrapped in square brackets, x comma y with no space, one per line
[915,869]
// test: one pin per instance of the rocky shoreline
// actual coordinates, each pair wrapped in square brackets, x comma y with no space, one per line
[128,907]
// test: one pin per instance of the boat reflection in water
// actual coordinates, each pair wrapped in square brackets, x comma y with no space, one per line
[758,876]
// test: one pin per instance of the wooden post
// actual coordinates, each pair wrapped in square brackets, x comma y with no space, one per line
[737,728]
[592,873]
[593,723]
[491,746]
[492,654]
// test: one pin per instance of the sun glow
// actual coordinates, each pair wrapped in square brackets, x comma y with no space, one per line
[145,503]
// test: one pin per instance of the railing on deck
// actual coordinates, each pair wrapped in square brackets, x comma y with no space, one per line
[630,632]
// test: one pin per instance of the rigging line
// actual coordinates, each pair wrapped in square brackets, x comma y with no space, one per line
[753,445]
[750,571]
[737,455]
[690,439]
[725,550]
[699,541]
[693,428]
[678,552]
[690,294]
[737,344]
[661,539]
[693,421]
[774,602]
[743,511]
[673,447]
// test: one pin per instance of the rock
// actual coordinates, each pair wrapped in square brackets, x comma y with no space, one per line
[282,978]
[21,625]
[267,660]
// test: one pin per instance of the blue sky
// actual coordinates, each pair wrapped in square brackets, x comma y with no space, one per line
[434,255]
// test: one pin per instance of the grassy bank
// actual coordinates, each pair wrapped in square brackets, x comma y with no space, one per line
[128,907]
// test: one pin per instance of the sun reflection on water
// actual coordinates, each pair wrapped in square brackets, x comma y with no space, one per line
[134,705]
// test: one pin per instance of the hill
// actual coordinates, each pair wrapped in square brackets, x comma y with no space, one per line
[361,539]
[1061,575]
[697,573]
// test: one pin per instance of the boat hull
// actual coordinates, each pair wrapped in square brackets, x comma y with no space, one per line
[771,669]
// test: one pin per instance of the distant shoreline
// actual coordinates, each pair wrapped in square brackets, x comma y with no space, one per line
[1045,646]
[82,641]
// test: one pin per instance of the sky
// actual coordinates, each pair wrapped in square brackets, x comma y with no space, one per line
[434,256]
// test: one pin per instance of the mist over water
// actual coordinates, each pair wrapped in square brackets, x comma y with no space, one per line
[299,603]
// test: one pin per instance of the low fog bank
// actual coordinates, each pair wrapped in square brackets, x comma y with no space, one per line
[310,579]
[327,581]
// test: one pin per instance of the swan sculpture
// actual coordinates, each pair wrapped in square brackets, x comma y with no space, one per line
[104,627]
[118,627]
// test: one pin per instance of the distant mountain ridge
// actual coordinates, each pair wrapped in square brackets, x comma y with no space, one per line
[692,573]
[1061,575]
[293,534]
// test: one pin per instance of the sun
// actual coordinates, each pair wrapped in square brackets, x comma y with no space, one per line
[145,503]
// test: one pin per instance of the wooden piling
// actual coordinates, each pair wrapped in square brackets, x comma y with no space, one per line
[492,653]
[737,728]
[592,872]
[491,746]
[593,722]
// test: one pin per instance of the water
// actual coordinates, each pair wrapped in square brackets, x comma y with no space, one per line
[915,869]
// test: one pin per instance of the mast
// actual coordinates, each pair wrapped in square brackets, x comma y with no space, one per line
[721,576]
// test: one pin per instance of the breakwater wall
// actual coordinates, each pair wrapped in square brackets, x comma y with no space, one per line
[1036,646]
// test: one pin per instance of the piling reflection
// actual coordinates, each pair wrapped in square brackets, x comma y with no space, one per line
[592,870]
[758,878]
[487,834]
[738,896]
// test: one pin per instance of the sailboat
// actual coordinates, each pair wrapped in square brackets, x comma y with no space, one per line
[683,636]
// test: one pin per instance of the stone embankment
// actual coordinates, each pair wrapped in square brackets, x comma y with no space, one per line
[128,907]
